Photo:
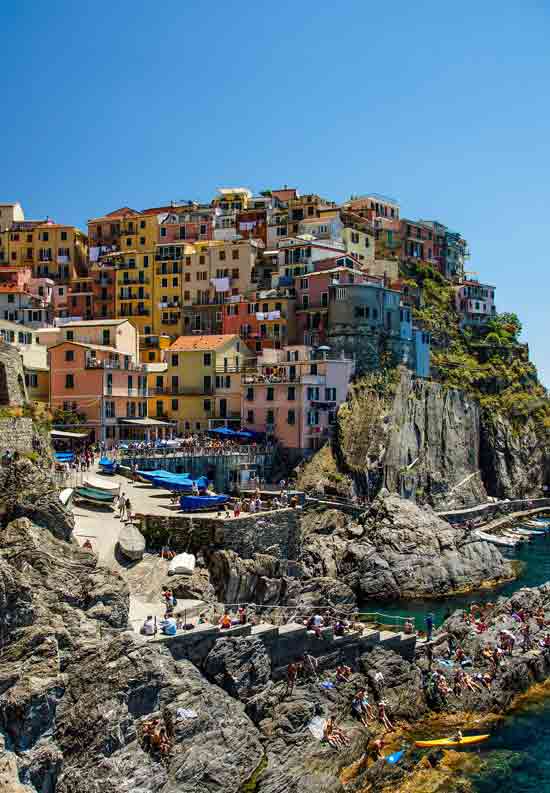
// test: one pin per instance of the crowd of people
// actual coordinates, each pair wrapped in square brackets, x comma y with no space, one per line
[191,445]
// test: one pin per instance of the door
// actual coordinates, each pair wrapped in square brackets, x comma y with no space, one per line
[223,408]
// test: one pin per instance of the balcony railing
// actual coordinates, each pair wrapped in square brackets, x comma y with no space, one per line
[96,363]
[145,296]
[281,379]
[160,270]
[182,391]
[131,281]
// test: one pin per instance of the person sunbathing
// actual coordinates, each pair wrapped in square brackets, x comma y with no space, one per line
[383,716]
[361,708]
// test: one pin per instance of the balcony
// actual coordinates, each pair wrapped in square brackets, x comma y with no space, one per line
[131,281]
[282,379]
[96,363]
[145,296]
[182,391]
[160,270]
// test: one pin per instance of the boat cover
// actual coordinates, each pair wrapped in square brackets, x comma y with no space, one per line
[196,503]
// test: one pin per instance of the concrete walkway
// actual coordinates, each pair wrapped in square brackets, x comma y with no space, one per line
[101,525]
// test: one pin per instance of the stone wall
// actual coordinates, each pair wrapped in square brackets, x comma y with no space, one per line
[288,643]
[12,377]
[278,531]
[16,435]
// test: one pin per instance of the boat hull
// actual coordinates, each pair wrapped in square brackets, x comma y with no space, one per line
[468,740]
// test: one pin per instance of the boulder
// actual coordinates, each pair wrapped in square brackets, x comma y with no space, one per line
[405,551]
[131,542]
[241,666]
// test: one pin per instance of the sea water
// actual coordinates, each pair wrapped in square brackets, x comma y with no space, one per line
[535,560]
[516,759]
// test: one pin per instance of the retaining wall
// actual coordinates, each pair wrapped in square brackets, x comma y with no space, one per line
[16,434]
[278,531]
[288,643]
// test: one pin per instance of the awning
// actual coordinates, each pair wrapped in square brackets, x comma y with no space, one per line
[61,434]
[146,422]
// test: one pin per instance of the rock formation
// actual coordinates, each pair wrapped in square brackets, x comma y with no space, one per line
[400,551]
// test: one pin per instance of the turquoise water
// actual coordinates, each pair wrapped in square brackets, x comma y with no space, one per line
[516,759]
[535,559]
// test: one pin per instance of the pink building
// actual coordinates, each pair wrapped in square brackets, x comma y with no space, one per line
[105,385]
[294,396]
[475,302]
[312,296]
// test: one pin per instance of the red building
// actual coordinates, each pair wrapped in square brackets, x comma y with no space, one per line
[267,322]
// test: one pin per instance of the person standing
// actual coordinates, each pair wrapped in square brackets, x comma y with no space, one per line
[121,505]
[429,626]
[128,509]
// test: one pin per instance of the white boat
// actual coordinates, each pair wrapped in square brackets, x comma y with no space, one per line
[182,564]
[66,496]
[503,541]
[101,484]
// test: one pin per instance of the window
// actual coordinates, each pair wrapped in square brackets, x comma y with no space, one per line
[151,356]
[142,240]
[160,405]
[313,393]
[11,298]
[70,335]
[207,383]
[175,404]
[69,381]
[330,395]
[250,417]
[162,231]
[250,394]
[313,368]
[291,417]
[69,355]
[235,272]
[235,253]
[222,256]
[174,359]
[164,285]
[291,393]
[312,418]
[106,338]
[207,359]
[270,395]
[202,259]
[305,301]
[174,282]
[324,299]
[31,380]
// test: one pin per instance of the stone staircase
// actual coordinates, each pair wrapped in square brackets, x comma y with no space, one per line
[288,643]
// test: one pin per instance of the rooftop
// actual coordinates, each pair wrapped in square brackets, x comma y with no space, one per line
[193,343]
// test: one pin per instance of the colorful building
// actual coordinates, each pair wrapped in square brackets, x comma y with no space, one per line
[266,320]
[201,385]
[293,395]
[35,358]
[475,302]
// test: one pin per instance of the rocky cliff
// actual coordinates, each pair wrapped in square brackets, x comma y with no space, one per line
[431,443]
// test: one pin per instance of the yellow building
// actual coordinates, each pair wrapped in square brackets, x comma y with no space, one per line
[52,250]
[236,198]
[152,347]
[168,277]
[134,289]
[200,386]
[359,237]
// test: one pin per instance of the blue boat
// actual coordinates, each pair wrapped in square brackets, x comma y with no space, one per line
[180,483]
[198,503]
[160,473]
[108,466]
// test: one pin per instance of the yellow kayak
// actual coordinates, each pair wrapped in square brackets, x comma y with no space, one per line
[467,739]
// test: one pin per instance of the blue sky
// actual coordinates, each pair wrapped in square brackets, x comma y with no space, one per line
[442,105]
